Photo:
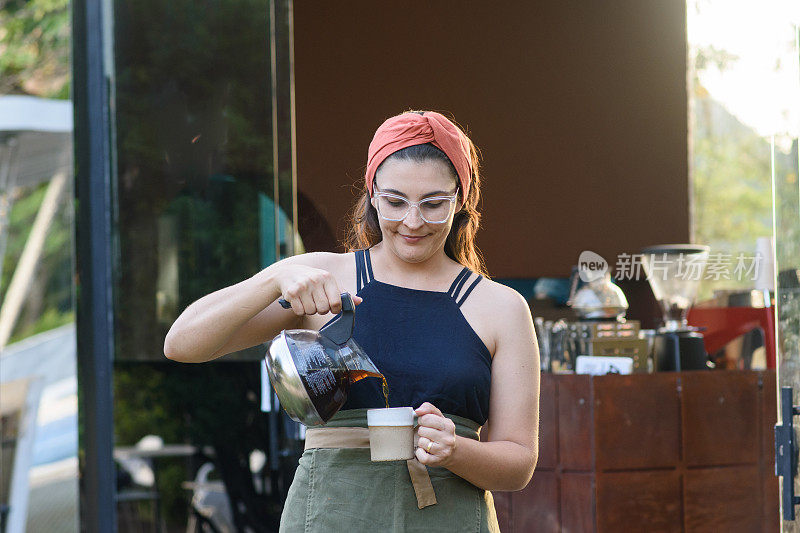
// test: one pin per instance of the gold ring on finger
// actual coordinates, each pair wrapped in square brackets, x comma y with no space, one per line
[428,447]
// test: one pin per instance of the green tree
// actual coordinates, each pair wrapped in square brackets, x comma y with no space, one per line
[35,48]
[35,60]
[48,302]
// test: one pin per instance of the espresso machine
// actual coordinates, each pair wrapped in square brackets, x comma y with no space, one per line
[674,272]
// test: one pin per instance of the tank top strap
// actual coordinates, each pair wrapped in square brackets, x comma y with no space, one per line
[362,270]
[369,265]
[469,290]
[458,282]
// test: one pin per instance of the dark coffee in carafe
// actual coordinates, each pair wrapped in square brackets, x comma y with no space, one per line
[326,383]
[356,375]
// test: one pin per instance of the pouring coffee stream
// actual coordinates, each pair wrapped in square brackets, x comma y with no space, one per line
[311,371]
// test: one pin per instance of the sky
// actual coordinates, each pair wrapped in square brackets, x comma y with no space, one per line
[762,87]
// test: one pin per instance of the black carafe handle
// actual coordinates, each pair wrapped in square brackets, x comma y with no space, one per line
[340,329]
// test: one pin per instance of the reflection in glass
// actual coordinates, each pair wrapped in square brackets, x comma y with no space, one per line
[205,198]
[745,119]
[785,163]
[741,93]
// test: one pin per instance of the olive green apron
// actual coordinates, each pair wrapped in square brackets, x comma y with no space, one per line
[340,489]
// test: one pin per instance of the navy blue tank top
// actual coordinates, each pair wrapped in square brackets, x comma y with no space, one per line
[422,344]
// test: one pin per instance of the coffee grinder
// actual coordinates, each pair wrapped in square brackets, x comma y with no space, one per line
[674,272]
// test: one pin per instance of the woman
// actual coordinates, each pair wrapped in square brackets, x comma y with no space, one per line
[464,357]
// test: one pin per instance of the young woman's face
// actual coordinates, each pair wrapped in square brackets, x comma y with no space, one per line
[413,239]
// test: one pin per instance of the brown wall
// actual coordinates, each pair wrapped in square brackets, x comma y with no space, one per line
[579,109]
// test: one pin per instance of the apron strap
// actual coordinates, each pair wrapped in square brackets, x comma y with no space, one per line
[421,482]
[356,437]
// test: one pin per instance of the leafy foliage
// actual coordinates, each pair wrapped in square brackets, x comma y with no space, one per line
[35,48]
[49,302]
[732,189]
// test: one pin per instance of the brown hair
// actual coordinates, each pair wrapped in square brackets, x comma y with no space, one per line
[460,245]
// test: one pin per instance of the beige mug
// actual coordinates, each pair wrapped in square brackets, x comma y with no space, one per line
[391,433]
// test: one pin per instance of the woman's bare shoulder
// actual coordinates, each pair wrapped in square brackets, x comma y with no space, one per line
[501,296]
[324,260]
[509,319]
[507,307]
[495,310]
[341,265]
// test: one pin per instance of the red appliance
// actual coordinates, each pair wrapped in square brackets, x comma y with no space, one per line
[723,324]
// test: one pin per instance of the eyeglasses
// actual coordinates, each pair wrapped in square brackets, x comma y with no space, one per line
[433,210]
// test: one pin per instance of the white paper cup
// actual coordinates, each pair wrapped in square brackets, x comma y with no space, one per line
[391,433]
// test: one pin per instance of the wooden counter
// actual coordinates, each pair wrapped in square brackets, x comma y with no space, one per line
[672,451]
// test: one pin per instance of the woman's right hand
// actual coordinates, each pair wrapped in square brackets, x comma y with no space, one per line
[310,290]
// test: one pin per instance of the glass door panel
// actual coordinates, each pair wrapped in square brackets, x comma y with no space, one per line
[786,220]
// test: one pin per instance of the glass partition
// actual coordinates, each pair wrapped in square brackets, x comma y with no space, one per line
[199,145]
[745,121]
[786,219]
[785,169]
[205,197]
[741,82]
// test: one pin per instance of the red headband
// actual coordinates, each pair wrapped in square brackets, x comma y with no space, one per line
[411,129]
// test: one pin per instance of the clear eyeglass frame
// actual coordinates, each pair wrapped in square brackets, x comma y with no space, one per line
[450,198]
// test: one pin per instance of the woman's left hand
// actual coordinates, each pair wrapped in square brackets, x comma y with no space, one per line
[437,436]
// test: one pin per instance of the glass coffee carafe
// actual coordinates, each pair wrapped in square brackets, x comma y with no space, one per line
[311,371]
